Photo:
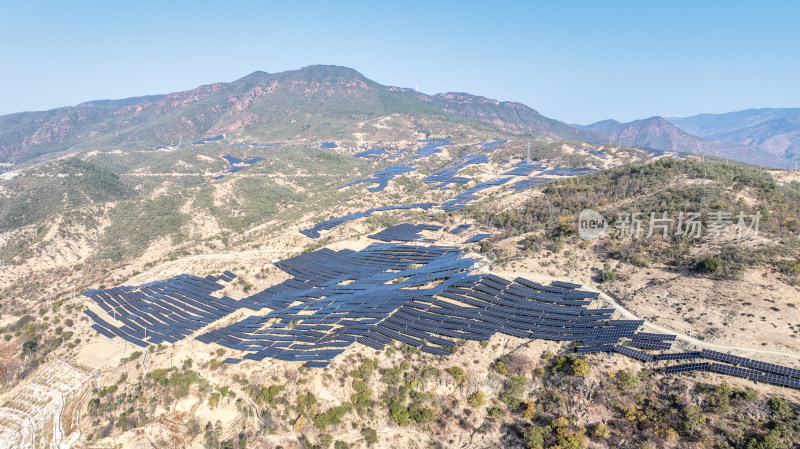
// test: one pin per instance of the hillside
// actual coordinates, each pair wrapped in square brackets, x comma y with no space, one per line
[505,114]
[659,134]
[321,101]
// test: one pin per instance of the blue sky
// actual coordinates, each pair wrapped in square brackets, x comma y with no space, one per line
[576,61]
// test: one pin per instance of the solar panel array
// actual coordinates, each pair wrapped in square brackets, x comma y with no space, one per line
[208,139]
[403,232]
[258,144]
[447,175]
[477,238]
[375,296]
[400,153]
[328,145]
[460,228]
[598,153]
[163,311]
[237,164]
[529,182]
[166,147]
[383,177]
[735,366]
[424,296]
[461,200]
[566,171]
[314,231]
[371,153]
[525,169]
[493,144]
[431,147]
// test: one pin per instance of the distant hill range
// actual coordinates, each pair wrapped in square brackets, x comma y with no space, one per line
[317,102]
[759,136]
[776,131]
[659,134]
[326,102]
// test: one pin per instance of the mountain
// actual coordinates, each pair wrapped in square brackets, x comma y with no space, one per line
[510,115]
[659,134]
[776,131]
[312,102]
[713,125]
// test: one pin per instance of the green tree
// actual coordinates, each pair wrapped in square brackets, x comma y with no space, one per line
[513,391]
[535,437]
[781,409]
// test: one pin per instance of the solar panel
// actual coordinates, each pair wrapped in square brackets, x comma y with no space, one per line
[477,238]
[686,368]
[630,352]
[493,144]
[529,182]
[460,228]
[566,171]
[208,139]
[677,356]
[371,153]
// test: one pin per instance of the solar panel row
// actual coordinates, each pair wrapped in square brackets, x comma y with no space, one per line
[371,153]
[208,139]
[566,171]
[314,231]
[383,177]
[477,238]
[257,144]
[529,182]
[493,144]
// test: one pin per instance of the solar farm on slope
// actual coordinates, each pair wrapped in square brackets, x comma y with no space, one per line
[445,178]
[425,296]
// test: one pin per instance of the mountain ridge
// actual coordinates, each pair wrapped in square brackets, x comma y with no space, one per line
[659,134]
[774,130]
[317,101]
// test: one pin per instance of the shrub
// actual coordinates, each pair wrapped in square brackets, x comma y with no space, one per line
[513,390]
[370,436]
[535,437]
[530,410]
[458,374]
[325,441]
[781,409]
[601,431]
[477,399]
[333,416]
